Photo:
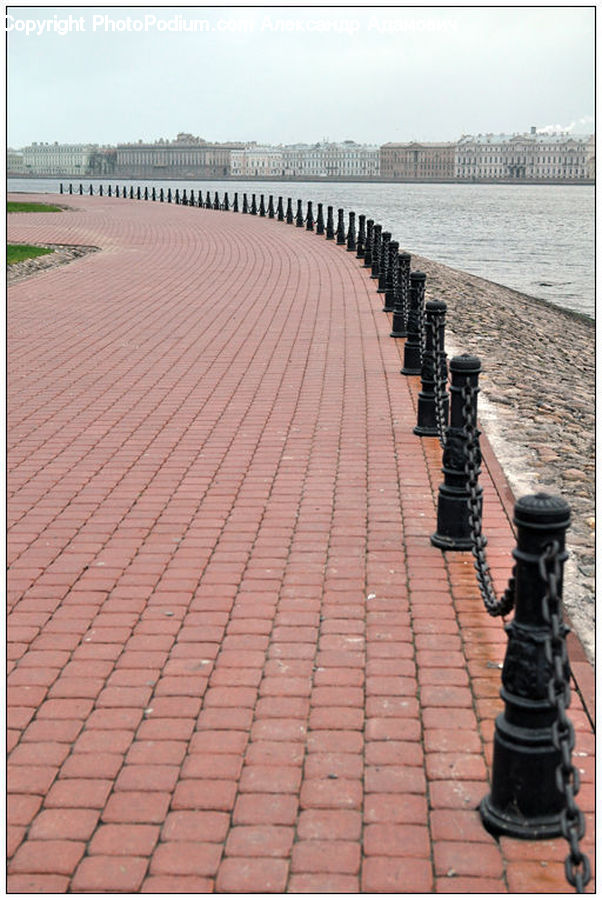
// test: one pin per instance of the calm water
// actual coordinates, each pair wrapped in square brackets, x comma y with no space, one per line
[538,239]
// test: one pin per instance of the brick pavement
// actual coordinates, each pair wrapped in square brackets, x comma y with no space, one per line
[236,663]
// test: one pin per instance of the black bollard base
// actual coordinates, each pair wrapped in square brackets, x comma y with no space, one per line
[411,360]
[427,415]
[453,527]
[398,333]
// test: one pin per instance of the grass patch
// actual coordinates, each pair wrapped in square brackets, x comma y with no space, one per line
[18,252]
[18,206]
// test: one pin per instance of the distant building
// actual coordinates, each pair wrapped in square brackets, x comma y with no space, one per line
[536,156]
[591,158]
[186,155]
[14,162]
[57,159]
[256,161]
[415,161]
[331,160]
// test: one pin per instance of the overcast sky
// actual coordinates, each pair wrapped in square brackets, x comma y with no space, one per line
[287,74]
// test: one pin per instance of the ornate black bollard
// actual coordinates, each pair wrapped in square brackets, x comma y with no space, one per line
[453,512]
[235,204]
[61,188]
[192,198]
[376,246]
[117,190]
[91,191]
[216,201]
[289,212]
[391,276]
[433,399]
[139,194]
[280,210]
[384,265]
[70,188]
[310,217]
[131,192]
[351,242]
[109,191]
[245,204]
[184,198]
[81,189]
[320,219]
[299,217]
[525,799]
[341,227]
[226,203]
[400,302]
[369,244]
[271,207]
[161,196]
[99,190]
[177,198]
[329,224]
[169,195]
[253,205]
[262,207]
[361,236]
[412,351]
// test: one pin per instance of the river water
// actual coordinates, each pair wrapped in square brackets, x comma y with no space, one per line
[538,239]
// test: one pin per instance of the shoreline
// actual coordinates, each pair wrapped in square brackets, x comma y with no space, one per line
[536,405]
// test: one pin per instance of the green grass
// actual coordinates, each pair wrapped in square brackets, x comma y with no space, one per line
[18,252]
[17,206]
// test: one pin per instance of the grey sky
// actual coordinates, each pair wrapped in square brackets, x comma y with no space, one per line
[285,74]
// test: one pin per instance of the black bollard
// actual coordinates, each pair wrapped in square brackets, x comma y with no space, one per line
[453,511]
[91,191]
[376,245]
[400,302]
[299,217]
[427,423]
[109,191]
[262,206]
[153,194]
[361,236]
[161,195]
[369,244]
[271,207]
[81,189]
[235,204]
[525,800]
[216,201]
[289,212]
[208,203]
[253,205]
[131,192]
[412,351]
[61,188]
[245,204]
[99,189]
[192,200]
[117,190]
[320,219]
[226,203]
[138,193]
[178,196]
[341,239]
[310,217]
[169,195]
[329,224]
[280,210]
[184,198]
[384,265]
[351,242]
[391,276]
[70,188]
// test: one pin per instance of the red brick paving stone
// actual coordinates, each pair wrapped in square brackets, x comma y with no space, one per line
[64,824]
[240,875]
[186,858]
[234,542]
[463,858]
[109,874]
[462,885]
[329,856]
[37,884]
[260,840]
[47,857]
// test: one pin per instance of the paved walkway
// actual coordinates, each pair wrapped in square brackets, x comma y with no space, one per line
[237,662]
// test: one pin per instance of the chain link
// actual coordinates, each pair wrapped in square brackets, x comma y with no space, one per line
[493,606]
[572,822]
[439,381]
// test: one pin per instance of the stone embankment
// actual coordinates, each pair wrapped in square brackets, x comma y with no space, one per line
[63,254]
[536,404]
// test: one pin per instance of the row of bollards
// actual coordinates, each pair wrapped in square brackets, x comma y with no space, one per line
[533,780]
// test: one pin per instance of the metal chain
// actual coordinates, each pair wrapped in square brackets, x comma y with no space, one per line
[422,328]
[439,382]
[493,606]
[572,822]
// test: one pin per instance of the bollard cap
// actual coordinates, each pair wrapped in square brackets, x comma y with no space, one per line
[542,511]
[405,256]
[436,306]
[393,246]
[417,276]
[465,363]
